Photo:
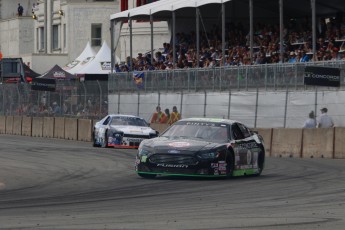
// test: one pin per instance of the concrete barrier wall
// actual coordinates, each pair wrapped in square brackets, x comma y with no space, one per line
[267,136]
[48,127]
[159,127]
[27,126]
[84,129]
[2,124]
[9,125]
[17,125]
[37,127]
[279,142]
[59,127]
[318,143]
[286,142]
[71,129]
[339,143]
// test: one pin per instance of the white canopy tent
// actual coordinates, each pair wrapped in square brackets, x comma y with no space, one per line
[86,56]
[100,64]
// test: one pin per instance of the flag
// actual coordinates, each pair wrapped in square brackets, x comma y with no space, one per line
[138,78]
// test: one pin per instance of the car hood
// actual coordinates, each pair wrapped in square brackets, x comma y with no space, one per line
[135,130]
[177,145]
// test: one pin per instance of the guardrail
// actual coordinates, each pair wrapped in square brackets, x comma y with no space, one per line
[279,142]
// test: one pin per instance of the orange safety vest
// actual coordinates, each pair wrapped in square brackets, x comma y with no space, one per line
[158,118]
[174,116]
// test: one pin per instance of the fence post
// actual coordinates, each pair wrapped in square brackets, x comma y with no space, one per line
[118,101]
[181,103]
[316,100]
[229,104]
[205,103]
[256,106]
[286,103]
[138,108]
[100,97]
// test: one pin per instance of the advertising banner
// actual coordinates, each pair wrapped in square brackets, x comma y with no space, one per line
[322,76]
[43,84]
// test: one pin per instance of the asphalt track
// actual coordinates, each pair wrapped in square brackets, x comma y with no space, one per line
[59,184]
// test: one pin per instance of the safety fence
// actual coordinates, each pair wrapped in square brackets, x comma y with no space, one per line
[268,76]
[70,99]
[279,142]
[90,99]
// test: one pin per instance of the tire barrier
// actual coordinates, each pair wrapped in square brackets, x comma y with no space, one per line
[279,142]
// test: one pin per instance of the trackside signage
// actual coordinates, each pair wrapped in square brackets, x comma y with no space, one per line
[43,84]
[322,76]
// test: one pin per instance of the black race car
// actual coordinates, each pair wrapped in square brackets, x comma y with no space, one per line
[202,147]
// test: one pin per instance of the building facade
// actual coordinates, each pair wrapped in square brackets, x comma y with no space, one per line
[54,31]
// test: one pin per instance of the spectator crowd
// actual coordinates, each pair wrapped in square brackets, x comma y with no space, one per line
[297,46]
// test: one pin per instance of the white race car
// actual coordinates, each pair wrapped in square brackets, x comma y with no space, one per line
[122,131]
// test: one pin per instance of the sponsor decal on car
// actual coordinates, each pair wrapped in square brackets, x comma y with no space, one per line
[173,151]
[250,145]
[179,144]
[172,165]
[143,159]
[135,139]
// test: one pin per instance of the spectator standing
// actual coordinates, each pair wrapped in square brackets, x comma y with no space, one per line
[310,122]
[158,116]
[292,58]
[20,10]
[325,120]
[56,109]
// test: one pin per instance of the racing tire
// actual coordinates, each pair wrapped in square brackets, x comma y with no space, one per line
[105,142]
[230,163]
[94,141]
[261,162]
[147,176]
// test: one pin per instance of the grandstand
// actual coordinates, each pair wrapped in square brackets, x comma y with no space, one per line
[227,34]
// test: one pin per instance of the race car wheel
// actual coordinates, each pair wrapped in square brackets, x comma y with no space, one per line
[105,141]
[230,163]
[147,176]
[94,140]
[261,162]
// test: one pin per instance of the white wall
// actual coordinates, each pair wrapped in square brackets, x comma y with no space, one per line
[270,107]
[17,36]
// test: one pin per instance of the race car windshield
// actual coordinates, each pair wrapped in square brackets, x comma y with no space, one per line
[132,121]
[209,132]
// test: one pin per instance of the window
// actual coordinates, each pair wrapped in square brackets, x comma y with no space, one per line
[244,130]
[55,41]
[124,5]
[64,36]
[236,132]
[141,2]
[96,34]
[41,38]
[144,2]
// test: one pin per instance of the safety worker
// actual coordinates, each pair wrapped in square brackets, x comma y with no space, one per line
[158,116]
[167,119]
[175,115]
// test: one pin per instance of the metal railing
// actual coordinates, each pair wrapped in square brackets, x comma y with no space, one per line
[269,76]
[90,99]
[71,99]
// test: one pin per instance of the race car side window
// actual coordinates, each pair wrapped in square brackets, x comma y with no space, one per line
[106,121]
[236,132]
[244,130]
